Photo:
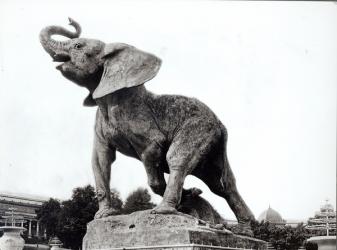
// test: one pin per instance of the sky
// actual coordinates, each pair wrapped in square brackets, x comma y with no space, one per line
[267,70]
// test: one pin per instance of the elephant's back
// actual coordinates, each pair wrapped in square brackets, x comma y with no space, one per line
[182,106]
[172,111]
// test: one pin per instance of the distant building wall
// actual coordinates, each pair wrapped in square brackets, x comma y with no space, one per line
[24,206]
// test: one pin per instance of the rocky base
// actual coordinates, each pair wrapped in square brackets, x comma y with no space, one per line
[143,230]
[324,242]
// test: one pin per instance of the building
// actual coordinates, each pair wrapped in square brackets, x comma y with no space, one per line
[272,216]
[323,222]
[24,207]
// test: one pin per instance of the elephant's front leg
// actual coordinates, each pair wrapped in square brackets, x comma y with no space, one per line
[152,159]
[103,157]
[186,152]
[172,194]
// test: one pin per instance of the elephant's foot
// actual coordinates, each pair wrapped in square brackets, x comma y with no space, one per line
[105,212]
[164,208]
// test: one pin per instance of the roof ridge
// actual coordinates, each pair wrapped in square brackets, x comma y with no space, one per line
[28,197]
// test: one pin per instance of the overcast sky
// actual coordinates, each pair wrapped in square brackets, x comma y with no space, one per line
[267,69]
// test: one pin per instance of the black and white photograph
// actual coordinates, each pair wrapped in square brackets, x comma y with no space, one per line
[168,125]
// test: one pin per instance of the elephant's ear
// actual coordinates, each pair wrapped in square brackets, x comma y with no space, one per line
[125,67]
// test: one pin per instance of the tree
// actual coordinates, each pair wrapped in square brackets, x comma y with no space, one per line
[262,230]
[116,201]
[68,220]
[311,246]
[281,237]
[48,215]
[140,199]
[75,214]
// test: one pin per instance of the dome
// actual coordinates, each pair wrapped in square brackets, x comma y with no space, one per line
[327,207]
[271,216]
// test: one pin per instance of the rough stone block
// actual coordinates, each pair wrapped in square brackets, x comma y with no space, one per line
[143,230]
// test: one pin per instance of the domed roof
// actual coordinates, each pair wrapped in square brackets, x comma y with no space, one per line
[327,207]
[270,215]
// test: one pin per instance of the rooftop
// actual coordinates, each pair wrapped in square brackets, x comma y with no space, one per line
[271,216]
[23,198]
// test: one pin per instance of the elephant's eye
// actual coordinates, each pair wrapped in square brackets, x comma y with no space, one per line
[78,45]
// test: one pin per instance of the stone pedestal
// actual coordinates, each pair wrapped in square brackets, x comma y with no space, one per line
[324,242]
[143,230]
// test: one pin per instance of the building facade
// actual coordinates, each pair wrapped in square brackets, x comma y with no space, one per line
[24,207]
[323,222]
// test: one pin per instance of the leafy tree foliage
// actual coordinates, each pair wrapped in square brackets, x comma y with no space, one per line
[75,215]
[311,246]
[48,215]
[140,199]
[281,237]
[116,201]
[68,219]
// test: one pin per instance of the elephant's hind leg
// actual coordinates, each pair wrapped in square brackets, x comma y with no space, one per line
[221,181]
[225,187]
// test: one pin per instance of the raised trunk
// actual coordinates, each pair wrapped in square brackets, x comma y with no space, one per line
[58,49]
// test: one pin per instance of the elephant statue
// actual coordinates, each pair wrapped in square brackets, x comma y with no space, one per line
[170,134]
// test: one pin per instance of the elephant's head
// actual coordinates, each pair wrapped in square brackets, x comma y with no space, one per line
[101,68]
